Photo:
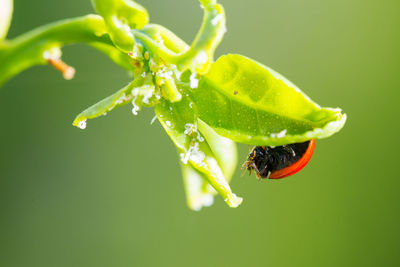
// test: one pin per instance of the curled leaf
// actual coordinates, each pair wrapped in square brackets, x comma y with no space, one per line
[223,149]
[139,91]
[180,123]
[249,103]
[199,193]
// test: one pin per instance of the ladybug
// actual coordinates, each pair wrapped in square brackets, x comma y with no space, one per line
[280,161]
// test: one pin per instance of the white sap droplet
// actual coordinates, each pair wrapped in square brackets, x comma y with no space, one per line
[52,53]
[159,39]
[184,157]
[279,135]
[135,109]
[134,54]
[82,124]
[176,71]
[194,83]
[193,154]
[282,133]
[216,19]
[196,155]
[147,96]
[168,123]
[189,128]
[46,55]
[202,57]
[120,100]
[235,201]
[199,137]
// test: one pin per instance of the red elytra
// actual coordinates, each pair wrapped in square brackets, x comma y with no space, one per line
[297,166]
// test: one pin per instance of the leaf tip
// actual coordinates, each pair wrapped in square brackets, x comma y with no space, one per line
[234,201]
[80,122]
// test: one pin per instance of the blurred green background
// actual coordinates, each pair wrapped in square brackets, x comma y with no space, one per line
[112,195]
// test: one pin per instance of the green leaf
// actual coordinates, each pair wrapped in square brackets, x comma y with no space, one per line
[249,103]
[139,91]
[6,9]
[180,122]
[199,193]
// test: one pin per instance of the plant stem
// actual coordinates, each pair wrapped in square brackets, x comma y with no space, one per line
[29,49]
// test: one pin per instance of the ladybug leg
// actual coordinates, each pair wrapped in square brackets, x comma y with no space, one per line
[248,166]
[254,167]
[269,173]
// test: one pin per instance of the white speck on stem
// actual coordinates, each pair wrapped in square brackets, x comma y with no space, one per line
[189,128]
[121,100]
[135,108]
[194,83]
[52,53]
[193,154]
[202,57]
[133,54]
[279,135]
[216,19]
[199,137]
[168,123]
[147,96]
[159,39]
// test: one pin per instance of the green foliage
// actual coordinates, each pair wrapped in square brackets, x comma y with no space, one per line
[250,103]
[203,106]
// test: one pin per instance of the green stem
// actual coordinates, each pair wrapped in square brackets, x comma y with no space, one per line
[199,56]
[166,37]
[120,17]
[28,49]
